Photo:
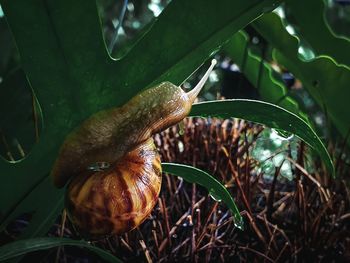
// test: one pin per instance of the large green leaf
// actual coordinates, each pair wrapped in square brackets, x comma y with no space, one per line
[64,56]
[22,247]
[215,188]
[268,114]
[311,21]
[326,80]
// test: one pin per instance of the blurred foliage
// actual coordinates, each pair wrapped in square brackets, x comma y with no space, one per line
[337,14]
[322,41]
[270,87]
[324,78]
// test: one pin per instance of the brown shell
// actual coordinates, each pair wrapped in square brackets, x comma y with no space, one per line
[118,199]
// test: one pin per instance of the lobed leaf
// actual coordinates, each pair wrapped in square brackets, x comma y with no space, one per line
[310,15]
[325,79]
[269,87]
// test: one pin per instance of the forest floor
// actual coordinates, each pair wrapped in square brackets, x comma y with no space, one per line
[306,219]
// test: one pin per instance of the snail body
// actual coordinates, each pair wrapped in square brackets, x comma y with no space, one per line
[112,163]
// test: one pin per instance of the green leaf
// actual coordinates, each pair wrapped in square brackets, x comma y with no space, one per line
[312,25]
[64,56]
[269,87]
[45,203]
[268,114]
[198,33]
[326,80]
[215,188]
[22,247]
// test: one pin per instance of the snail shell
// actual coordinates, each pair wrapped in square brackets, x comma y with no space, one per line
[117,197]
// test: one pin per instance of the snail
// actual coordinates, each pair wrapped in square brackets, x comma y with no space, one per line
[111,162]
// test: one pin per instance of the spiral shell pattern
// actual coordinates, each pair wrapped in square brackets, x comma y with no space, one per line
[118,199]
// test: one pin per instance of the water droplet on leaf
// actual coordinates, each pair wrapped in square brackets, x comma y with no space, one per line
[284,135]
[238,222]
[214,195]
